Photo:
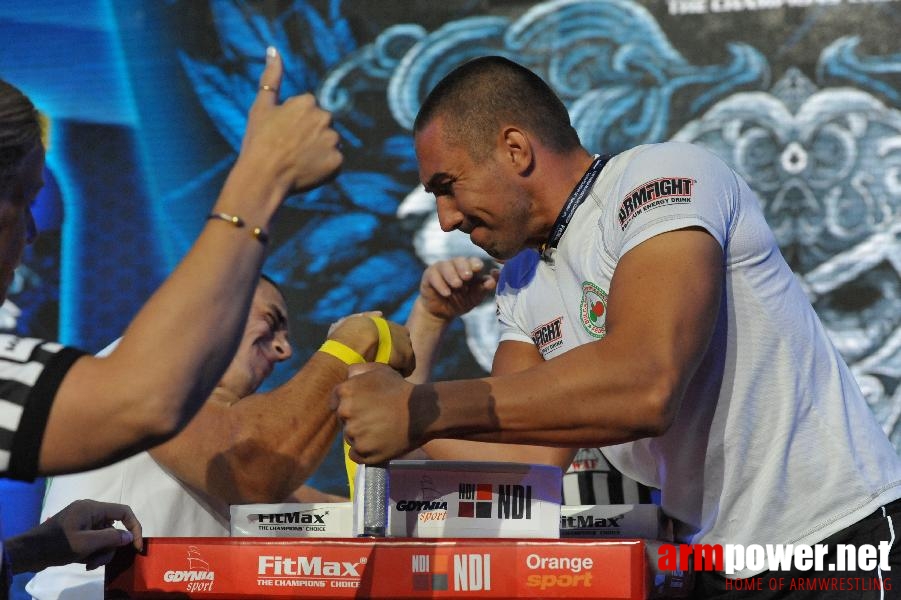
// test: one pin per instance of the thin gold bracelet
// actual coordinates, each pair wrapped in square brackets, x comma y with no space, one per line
[238,222]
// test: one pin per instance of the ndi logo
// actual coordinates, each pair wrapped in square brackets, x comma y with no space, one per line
[471,572]
[475,500]
[514,501]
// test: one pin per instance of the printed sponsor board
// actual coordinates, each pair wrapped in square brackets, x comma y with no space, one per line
[324,519]
[389,568]
[612,521]
[473,499]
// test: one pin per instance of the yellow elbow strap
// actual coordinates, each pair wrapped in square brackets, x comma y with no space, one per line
[345,354]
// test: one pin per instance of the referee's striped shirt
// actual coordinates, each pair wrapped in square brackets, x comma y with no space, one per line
[590,479]
[31,371]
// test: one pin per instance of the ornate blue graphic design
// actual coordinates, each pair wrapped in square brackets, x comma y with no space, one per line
[814,154]
[825,164]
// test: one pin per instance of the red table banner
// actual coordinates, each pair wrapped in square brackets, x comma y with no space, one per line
[394,568]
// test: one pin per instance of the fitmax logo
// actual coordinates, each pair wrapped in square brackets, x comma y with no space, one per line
[306,566]
[292,517]
[588,521]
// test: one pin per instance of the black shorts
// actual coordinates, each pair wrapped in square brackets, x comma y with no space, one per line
[884,525]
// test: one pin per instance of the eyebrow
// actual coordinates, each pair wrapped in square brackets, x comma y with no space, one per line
[437,180]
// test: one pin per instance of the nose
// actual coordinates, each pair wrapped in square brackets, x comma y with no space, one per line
[282,347]
[448,216]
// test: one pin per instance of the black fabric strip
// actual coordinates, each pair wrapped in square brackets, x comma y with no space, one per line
[586,487]
[644,494]
[12,390]
[615,487]
[27,442]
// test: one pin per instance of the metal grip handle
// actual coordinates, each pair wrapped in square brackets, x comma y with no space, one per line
[375,501]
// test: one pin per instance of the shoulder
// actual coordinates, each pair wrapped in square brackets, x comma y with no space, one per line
[668,155]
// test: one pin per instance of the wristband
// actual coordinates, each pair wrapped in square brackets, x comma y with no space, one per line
[345,354]
[382,355]
[256,232]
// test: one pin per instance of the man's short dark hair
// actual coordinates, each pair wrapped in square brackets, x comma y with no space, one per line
[478,97]
[272,282]
[20,131]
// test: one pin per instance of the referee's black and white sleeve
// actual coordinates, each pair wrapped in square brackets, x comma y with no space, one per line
[31,371]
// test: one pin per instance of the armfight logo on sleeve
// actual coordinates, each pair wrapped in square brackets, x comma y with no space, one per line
[654,194]
[549,336]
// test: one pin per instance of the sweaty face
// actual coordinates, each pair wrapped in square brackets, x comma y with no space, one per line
[265,342]
[481,198]
[16,223]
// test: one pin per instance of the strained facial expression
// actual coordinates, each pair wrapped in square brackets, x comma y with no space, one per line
[480,198]
[264,344]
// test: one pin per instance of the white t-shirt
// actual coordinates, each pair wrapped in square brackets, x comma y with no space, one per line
[773,442]
[164,506]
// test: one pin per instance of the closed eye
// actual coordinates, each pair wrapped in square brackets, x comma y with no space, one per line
[441,185]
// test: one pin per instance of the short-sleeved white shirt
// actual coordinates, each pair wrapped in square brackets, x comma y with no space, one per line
[773,441]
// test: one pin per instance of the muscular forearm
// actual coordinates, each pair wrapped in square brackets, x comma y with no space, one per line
[564,402]
[180,334]
[426,332]
[262,447]
[178,346]
[174,351]
[626,386]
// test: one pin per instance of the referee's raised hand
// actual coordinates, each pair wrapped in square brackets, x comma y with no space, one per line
[293,140]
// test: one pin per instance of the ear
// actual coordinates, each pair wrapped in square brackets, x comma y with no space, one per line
[517,148]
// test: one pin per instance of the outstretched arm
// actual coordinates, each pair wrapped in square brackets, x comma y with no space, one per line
[655,342]
[82,532]
[263,447]
[174,352]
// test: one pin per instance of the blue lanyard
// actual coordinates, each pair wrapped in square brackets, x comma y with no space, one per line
[576,198]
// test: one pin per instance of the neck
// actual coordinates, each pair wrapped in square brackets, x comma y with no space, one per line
[561,175]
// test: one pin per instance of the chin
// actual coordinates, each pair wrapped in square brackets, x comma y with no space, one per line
[498,253]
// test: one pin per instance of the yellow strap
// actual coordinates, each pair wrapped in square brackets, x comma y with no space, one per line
[382,355]
[350,467]
[347,355]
